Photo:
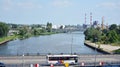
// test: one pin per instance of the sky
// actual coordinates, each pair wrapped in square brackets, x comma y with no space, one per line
[66,12]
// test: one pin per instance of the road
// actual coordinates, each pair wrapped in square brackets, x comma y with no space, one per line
[87,59]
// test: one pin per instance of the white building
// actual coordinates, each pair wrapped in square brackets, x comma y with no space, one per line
[57,26]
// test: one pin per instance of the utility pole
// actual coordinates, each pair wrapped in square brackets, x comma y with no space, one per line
[71,43]
[95,40]
[91,18]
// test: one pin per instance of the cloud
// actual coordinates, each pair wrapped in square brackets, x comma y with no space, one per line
[109,5]
[7,4]
[61,3]
[29,5]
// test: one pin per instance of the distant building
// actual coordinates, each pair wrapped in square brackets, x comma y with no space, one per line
[43,26]
[84,26]
[11,32]
[95,24]
[58,26]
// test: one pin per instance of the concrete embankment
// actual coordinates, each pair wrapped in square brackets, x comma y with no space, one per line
[102,47]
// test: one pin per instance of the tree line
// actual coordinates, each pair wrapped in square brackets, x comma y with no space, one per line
[25,30]
[3,29]
[35,30]
[110,35]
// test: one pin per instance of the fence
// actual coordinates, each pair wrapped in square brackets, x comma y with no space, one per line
[40,65]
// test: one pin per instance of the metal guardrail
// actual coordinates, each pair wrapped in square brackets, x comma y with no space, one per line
[42,56]
[78,65]
[39,54]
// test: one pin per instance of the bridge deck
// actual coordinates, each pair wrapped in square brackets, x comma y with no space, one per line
[87,59]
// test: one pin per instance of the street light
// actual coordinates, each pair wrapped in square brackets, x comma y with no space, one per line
[23,59]
[71,44]
[95,40]
[23,55]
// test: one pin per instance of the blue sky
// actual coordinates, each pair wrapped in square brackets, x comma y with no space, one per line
[59,11]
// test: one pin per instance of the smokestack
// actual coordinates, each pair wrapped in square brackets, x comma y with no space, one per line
[91,18]
[85,18]
[102,25]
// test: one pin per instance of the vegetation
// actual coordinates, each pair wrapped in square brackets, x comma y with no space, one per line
[49,27]
[3,29]
[92,33]
[109,35]
[8,38]
[117,51]
[105,36]
[24,31]
[35,30]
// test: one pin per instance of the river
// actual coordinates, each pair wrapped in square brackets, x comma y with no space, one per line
[55,44]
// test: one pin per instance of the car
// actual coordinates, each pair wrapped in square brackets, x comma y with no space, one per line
[2,64]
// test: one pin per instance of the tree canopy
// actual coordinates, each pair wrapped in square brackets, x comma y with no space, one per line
[49,27]
[106,36]
[3,29]
[92,33]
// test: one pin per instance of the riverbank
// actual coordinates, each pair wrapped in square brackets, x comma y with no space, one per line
[102,47]
[7,39]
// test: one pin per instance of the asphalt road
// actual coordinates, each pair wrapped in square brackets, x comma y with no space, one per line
[28,61]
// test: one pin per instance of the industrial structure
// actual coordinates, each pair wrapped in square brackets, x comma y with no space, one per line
[95,23]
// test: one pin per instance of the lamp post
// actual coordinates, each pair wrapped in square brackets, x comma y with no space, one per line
[23,54]
[23,59]
[95,40]
[71,44]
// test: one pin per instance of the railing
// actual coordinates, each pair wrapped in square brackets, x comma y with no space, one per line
[78,65]
[39,54]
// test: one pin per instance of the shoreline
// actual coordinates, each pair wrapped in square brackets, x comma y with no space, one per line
[7,39]
[103,48]
[42,34]
[3,42]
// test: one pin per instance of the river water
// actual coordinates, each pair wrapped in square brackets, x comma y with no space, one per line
[55,44]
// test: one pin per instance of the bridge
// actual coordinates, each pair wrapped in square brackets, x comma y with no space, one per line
[88,60]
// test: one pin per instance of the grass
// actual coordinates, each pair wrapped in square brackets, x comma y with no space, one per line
[116,44]
[117,51]
[31,35]
[48,33]
[4,39]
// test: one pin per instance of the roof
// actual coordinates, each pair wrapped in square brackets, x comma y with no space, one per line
[61,55]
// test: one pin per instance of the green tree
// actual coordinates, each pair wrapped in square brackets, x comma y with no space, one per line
[35,32]
[113,36]
[92,33]
[113,27]
[61,27]
[3,29]
[105,31]
[49,27]
[23,31]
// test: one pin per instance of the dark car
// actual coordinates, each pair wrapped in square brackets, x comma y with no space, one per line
[2,64]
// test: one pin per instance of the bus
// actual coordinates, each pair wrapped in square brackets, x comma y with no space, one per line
[61,59]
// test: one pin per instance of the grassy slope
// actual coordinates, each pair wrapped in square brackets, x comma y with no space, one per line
[4,39]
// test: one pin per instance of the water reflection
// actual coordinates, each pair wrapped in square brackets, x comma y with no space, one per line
[56,43]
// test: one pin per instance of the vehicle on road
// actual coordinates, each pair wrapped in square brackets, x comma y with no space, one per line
[61,59]
[2,64]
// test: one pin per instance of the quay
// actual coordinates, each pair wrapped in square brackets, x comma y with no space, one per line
[102,47]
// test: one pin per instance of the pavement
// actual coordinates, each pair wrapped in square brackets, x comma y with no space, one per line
[87,59]
[105,47]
